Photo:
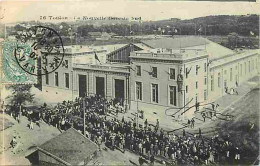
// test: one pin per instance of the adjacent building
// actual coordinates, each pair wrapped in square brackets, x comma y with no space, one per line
[178,72]
[68,148]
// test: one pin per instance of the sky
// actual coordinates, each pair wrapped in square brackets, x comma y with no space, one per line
[13,11]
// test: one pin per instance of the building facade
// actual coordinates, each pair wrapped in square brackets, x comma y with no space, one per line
[166,74]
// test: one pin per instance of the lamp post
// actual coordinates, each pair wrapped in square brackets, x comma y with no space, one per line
[72,85]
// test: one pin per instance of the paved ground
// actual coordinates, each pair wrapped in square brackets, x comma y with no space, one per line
[27,140]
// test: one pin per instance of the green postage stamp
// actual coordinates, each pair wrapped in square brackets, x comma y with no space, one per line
[12,72]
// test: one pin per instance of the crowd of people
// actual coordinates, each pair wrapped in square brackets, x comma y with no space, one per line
[149,141]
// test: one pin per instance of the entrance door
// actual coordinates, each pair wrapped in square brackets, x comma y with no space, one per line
[82,85]
[100,86]
[119,90]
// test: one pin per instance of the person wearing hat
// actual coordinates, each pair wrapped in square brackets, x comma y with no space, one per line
[196,160]
[237,155]
[31,124]
[99,142]
[140,147]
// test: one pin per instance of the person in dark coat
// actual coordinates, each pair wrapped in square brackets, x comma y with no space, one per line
[145,123]
[152,159]
[192,123]
[204,116]
[188,123]
[141,160]
[199,132]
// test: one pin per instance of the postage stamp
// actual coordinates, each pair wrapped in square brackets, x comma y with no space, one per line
[22,57]
[11,71]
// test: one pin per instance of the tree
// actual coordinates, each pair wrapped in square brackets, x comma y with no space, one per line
[18,27]
[233,40]
[20,94]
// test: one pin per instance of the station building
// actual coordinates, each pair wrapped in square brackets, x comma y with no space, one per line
[81,73]
[154,75]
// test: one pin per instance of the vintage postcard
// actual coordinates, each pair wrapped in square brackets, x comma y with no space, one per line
[129,83]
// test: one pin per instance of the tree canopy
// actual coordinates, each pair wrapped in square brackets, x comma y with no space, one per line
[20,94]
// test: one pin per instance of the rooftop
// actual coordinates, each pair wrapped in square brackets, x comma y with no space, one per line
[176,42]
[70,146]
[188,43]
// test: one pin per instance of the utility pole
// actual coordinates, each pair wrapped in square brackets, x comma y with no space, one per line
[195,29]
[137,117]
[184,91]
[205,35]
[84,119]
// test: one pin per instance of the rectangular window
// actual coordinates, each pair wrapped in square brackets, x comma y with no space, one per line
[67,80]
[196,84]
[205,80]
[66,64]
[248,66]
[173,100]
[205,95]
[205,67]
[138,90]
[241,69]
[155,93]
[245,67]
[56,79]
[186,72]
[197,69]
[231,74]
[187,88]
[212,83]
[253,65]
[219,80]
[172,74]
[138,70]
[47,79]
[154,72]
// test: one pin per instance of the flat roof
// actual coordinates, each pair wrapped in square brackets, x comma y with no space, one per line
[176,42]
[214,50]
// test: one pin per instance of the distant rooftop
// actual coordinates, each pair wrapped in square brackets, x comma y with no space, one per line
[176,42]
[94,33]
[70,146]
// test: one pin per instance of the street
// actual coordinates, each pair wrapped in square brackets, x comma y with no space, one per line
[242,129]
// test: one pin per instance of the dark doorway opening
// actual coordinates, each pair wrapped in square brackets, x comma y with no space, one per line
[119,90]
[82,85]
[100,86]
